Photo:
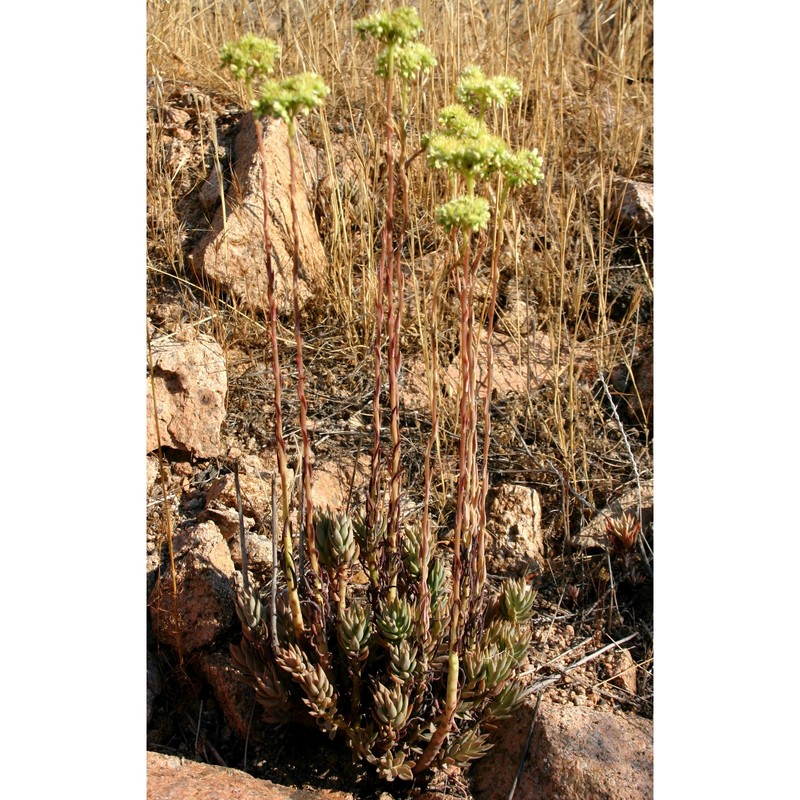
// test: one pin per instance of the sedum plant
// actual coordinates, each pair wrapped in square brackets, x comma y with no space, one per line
[415,663]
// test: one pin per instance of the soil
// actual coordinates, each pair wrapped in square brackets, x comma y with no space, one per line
[579,608]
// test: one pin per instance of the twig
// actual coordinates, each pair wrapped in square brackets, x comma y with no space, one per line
[241,525]
[551,679]
[525,751]
[167,515]
[197,728]
[274,587]
[635,469]
[247,738]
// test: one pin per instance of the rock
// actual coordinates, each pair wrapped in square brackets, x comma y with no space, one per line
[622,670]
[191,385]
[173,778]
[209,195]
[514,524]
[594,535]
[154,682]
[631,202]
[152,473]
[255,486]
[236,699]
[576,753]
[634,387]
[517,368]
[204,575]
[331,482]
[233,254]
[414,396]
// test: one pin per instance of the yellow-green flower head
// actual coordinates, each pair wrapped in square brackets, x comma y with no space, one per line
[476,157]
[505,89]
[475,89]
[250,57]
[464,213]
[523,167]
[455,120]
[294,95]
[391,27]
[410,58]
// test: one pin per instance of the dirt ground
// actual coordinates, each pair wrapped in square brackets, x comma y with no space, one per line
[584,601]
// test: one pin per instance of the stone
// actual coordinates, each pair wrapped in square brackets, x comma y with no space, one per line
[235,698]
[174,778]
[622,670]
[255,486]
[594,535]
[631,202]
[517,368]
[634,387]
[232,252]
[154,682]
[204,576]
[576,753]
[514,525]
[191,386]
[331,480]
[152,473]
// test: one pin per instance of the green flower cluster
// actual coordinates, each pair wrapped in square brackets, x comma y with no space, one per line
[523,167]
[464,213]
[455,120]
[250,57]
[472,156]
[401,55]
[475,89]
[285,99]
[464,145]
[410,58]
[391,27]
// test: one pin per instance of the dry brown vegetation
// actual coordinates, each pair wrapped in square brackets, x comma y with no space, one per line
[586,71]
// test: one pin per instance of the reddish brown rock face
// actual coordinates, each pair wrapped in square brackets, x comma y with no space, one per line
[191,385]
[204,573]
[173,778]
[576,753]
[232,253]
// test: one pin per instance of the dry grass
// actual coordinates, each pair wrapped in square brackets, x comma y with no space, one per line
[586,104]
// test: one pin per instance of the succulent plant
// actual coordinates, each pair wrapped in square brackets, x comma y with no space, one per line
[391,709]
[516,600]
[395,620]
[336,540]
[354,632]
[417,667]
[622,531]
[402,661]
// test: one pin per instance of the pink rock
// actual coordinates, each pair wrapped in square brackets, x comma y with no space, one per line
[576,753]
[173,778]
[594,535]
[332,479]
[622,670]
[518,366]
[632,203]
[235,697]
[191,384]
[232,254]
[514,524]
[204,575]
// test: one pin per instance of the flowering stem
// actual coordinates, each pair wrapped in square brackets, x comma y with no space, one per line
[291,577]
[310,537]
